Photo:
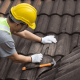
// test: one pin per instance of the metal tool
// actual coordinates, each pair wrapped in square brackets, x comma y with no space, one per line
[41,65]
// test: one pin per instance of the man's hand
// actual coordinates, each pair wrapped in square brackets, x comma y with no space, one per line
[49,39]
[36,58]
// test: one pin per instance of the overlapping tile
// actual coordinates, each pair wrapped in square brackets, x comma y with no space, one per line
[69,7]
[63,44]
[54,24]
[55,17]
[58,7]
[76,25]
[42,24]
[66,24]
[73,75]
[5,64]
[47,7]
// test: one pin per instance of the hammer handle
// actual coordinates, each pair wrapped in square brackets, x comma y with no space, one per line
[43,65]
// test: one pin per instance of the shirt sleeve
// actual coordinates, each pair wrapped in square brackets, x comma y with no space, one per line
[7,49]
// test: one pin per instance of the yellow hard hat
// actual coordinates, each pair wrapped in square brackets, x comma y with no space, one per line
[24,13]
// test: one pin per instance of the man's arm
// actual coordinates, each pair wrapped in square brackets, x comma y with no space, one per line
[28,35]
[24,59]
[20,58]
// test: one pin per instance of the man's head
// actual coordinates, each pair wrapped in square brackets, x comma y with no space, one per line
[17,26]
[23,14]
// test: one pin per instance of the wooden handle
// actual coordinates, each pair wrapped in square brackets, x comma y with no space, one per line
[24,68]
[43,65]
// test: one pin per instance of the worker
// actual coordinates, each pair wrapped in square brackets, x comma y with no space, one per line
[20,17]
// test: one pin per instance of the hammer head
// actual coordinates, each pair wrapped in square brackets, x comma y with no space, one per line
[54,62]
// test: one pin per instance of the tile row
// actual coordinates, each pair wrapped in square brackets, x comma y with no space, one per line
[67,45]
[48,7]
[58,24]
[69,65]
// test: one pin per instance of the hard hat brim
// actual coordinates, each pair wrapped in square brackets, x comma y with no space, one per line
[33,26]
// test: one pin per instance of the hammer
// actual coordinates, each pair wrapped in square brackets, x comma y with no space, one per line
[41,65]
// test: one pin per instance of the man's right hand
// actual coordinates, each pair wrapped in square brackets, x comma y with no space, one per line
[36,58]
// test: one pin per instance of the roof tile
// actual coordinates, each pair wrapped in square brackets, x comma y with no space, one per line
[69,76]
[49,75]
[47,7]
[36,47]
[68,68]
[55,6]
[2,8]
[5,64]
[74,41]
[42,24]
[45,60]
[77,9]
[66,24]
[63,44]
[29,74]
[76,26]
[54,24]
[38,4]
[14,71]
[58,7]
[69,7]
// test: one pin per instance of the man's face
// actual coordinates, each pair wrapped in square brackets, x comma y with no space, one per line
[21,27]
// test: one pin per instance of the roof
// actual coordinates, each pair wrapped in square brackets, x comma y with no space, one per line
[55,17]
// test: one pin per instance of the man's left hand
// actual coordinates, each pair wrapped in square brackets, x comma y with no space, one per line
[49,39]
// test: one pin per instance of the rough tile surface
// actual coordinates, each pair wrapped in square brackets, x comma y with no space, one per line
[60,18]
